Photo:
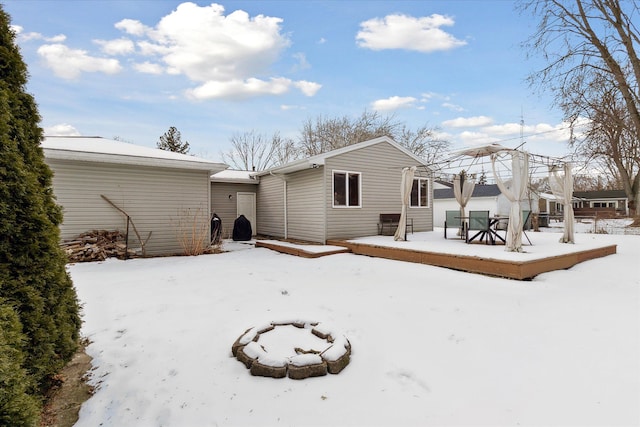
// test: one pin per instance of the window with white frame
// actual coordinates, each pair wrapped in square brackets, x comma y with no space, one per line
[420,193]
[346,189]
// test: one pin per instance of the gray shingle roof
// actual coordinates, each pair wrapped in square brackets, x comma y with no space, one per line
[600,194]
[490,190]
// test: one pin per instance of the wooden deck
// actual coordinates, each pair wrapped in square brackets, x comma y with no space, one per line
[519,270]
[305,250]
[487,265]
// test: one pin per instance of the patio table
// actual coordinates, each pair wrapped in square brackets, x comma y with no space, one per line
[492,233]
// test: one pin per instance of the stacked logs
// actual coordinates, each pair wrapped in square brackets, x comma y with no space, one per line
[97,245]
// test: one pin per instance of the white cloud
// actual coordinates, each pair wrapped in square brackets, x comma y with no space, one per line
[133,27]
[22,36]
[56,39]
[407,32]
[461,122]
[476,138]
[70,63]
[427,96]
[205,45]
[228,55]
[119,46]
[307,88]
[240,89]
[285,107]
[452,107]
[148,68]
[302,64]
[30,36]
[62,129]
[393,103]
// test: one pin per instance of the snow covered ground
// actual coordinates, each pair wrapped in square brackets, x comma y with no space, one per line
[431,346]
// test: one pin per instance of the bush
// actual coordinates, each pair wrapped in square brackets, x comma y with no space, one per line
[17,407]
[33,276]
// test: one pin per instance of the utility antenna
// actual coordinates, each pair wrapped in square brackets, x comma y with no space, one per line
[521,125]
[522,141]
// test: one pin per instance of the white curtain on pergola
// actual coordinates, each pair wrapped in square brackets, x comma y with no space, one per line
[517,193]
[406,184]
[562,188]
[463,187]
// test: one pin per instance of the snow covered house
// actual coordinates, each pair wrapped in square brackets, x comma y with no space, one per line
[158,189]
[341,193]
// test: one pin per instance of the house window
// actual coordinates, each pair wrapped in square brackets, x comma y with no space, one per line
[420,193]
[346,189]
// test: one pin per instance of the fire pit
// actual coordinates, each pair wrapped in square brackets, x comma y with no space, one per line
[297,349]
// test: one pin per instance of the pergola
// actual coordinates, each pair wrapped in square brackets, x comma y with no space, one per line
[512,170]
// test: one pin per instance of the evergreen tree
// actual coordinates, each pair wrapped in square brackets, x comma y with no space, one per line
[33,278]
[171,141]
[17,407]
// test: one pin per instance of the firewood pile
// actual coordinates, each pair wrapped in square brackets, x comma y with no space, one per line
[96,245]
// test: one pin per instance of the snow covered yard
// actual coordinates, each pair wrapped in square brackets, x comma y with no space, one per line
[431,346]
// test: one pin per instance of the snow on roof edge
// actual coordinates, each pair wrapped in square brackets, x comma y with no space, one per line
[102,150]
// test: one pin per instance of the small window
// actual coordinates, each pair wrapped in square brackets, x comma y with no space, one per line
[346,189]
[420,193]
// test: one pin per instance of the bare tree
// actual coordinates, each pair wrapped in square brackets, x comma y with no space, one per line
[593,70]
[284,149]
[325,134]
[423,142]
[255,151]
[608,143]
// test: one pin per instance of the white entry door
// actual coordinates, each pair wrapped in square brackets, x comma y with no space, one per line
[246,205]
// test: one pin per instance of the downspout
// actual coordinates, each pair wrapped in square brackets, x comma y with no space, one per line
[284,188]
[325,205]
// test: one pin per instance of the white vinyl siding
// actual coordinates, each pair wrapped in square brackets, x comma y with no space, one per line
[380,166]
[153,197]
[225,207]
[270,206]
[305,204]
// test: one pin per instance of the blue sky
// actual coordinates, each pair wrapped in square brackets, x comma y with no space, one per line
[132,69]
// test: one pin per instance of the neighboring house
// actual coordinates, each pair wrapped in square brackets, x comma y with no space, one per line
[233,193]
[484,198]
[602,200]
[588,203]
[158,189]
[341,194]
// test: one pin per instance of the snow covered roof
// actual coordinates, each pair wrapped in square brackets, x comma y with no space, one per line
[319,160]
[102,150]
[235,176]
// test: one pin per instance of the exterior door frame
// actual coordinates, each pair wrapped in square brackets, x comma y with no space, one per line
[251,216]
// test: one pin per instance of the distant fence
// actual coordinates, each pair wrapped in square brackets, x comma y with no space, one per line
[596,212]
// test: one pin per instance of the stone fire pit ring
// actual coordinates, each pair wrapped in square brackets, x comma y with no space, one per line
[274,356]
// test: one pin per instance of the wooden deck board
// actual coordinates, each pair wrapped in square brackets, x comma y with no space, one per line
[298,250]
[519,270]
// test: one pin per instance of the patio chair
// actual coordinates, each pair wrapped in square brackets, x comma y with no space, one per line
[479,221]
[525,220]
[453,220]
